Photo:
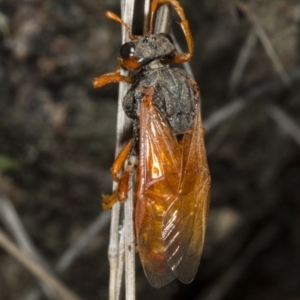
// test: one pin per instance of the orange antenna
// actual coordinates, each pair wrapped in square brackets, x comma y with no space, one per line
[114,17]
[153,9]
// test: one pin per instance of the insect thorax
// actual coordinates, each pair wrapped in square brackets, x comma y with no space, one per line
[175,96]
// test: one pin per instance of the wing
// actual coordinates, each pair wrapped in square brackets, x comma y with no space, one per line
[172,198]
[184,221]
[157,183]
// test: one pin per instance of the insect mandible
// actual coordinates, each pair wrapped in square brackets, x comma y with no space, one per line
[167,152]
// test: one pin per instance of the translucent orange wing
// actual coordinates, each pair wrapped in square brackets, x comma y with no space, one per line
[184,221]
[171,198]
[157,182]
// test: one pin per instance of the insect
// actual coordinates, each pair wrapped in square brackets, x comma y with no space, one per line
[167,152]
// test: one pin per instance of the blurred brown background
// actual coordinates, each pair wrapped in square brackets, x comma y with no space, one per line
[57,137]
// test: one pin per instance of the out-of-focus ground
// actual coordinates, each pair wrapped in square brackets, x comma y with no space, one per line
[57,137]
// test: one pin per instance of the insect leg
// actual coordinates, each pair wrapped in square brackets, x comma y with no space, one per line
[109,201]
[124,180]
[132,161]
[184,24]
[110,78]
[121,193]
[120,160]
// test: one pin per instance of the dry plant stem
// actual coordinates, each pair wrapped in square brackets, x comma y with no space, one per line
[13,224]
[285,122]
[123,124]
[83,241]
[63,292]
[163,19]
[69,256]
[146,15]
[11,220]
[121,261]
[129,240]
[127,10]
[113,251]
[242,61]
[117,248]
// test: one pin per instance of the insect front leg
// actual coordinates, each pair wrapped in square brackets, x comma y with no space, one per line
[112,77]
[184,24]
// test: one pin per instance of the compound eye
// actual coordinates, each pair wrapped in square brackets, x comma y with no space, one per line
[127,50]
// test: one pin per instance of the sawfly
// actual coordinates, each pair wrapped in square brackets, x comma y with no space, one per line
[167,152]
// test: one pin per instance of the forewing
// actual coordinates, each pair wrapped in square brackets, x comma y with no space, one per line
[157,184]
[184,221]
